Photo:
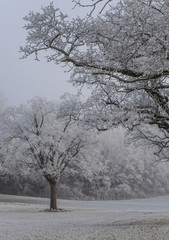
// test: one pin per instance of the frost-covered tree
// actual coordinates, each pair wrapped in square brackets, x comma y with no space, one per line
[3,170]
[46,137]
[123,54]
[5,167]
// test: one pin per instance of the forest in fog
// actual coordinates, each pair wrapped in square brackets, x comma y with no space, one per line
[125,172]
[117,170]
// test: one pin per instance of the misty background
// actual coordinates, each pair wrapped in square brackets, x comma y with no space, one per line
[20,80]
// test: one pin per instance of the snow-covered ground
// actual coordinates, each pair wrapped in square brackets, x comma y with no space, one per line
[23,218]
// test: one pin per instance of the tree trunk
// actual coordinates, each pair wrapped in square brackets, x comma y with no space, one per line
[53,193]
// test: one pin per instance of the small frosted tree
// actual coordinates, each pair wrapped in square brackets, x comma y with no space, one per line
[46,137]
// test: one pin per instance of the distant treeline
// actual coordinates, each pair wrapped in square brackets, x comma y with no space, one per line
[125,172]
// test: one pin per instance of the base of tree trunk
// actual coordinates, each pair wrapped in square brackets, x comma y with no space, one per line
[56,210]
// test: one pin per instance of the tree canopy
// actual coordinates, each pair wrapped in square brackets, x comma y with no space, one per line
[123,54]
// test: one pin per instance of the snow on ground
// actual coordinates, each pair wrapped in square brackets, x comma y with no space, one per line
[24,218]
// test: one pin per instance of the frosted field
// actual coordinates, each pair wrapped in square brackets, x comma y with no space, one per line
[23,218]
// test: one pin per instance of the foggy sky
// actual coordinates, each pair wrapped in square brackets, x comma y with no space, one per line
[20,80]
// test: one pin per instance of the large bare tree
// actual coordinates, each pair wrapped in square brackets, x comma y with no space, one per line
[123,54]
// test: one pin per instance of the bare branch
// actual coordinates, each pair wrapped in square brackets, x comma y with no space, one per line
[92,5]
